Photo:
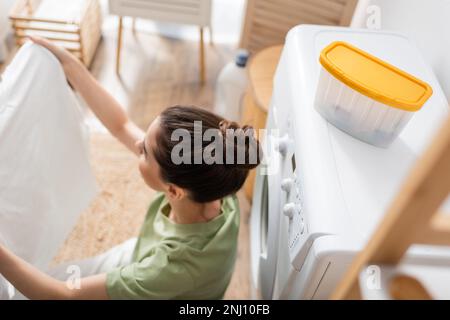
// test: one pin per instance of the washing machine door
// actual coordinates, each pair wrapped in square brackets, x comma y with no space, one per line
[264,223]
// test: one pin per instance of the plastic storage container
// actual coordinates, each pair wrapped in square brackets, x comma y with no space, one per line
[231,86]
[365,96]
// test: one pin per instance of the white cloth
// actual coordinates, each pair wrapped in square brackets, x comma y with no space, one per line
[71,272]
[119,256]
[45,176]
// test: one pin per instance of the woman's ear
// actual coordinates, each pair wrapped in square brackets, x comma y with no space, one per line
[175,193]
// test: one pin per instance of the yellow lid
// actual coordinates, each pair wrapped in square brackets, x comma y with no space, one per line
[374,78]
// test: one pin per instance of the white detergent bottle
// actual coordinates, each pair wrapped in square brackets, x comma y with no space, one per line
[231,86]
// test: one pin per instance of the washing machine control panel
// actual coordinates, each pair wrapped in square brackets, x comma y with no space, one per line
[293,210]
[292,206]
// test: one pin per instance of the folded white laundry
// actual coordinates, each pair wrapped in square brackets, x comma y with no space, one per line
[45,176]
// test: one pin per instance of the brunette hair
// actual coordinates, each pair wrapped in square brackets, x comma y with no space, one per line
[206,182]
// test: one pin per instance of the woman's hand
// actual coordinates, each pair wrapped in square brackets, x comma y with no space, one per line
[68,61]
[64,56]
[104,106]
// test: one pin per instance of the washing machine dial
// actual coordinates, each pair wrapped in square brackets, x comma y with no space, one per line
[289,210]
[302,227]
[284,145]
[286,185]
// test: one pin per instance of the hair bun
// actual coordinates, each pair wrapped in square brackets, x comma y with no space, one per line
[240,145]
[225,125]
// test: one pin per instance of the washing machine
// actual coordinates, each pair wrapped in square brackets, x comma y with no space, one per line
[264,225]
[318,210]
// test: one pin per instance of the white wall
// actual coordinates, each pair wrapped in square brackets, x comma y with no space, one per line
[5,7]
[427,22]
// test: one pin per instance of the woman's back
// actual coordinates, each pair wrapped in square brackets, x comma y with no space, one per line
[180,261]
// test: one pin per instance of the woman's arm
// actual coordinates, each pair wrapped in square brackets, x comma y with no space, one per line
[35,284]
[104,106]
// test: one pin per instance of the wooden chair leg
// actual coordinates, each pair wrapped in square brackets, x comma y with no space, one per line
[119,45]
[133,27]
[202,57]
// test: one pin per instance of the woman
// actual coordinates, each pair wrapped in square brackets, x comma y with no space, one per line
[188,242]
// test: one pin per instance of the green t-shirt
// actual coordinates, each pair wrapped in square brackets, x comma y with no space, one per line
[179,261]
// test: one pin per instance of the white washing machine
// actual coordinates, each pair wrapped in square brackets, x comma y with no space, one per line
[264,228]
[311,218]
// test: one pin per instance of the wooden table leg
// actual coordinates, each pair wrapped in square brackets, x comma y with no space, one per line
[119,44]
[202,57]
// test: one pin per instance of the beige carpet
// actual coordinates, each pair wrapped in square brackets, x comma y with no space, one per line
[119,210]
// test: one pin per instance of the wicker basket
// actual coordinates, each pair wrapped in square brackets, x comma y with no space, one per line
[74,25]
